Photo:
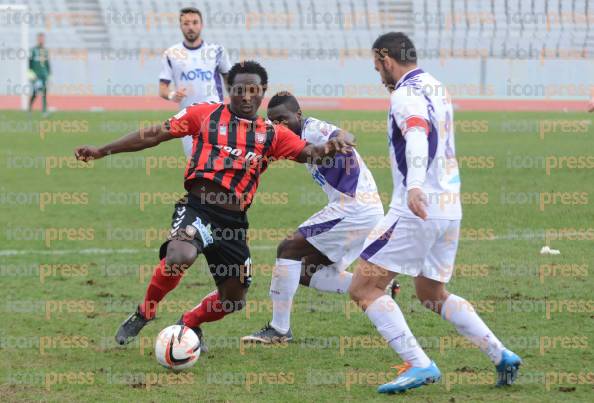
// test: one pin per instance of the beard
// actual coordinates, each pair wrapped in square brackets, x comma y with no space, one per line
[191,36]
[387,79]
[389,82]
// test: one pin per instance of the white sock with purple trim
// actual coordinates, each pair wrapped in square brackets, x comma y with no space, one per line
[283,286]
[462,315]
[389,321]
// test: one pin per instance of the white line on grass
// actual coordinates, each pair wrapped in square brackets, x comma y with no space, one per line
[94,251]
[99,251]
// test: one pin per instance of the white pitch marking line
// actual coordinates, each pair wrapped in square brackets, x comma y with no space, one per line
[94,251]
[99,251]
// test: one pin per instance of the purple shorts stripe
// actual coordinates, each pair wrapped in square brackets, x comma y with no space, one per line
[379,243]
[317,229]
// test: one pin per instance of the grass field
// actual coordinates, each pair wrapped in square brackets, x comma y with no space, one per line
[79,244]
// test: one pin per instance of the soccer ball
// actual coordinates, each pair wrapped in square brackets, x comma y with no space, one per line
[177,347]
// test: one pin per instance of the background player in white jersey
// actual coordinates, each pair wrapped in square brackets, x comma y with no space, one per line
[419,235]
[198,69]
[324,246]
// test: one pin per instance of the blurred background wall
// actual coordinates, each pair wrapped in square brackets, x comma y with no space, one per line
[529,49]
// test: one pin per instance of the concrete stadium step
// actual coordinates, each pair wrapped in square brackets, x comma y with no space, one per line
[91,27]
[397,15]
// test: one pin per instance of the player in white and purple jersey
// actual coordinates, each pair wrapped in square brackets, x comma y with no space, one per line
[197,69]
[419,235]
[319,252]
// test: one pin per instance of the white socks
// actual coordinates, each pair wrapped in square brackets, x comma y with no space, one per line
[284,284]
[328,279]
[389,321]
[462,315]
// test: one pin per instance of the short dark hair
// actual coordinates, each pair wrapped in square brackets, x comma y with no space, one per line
[397,46]
[190,10]
[284,98]
[248,67]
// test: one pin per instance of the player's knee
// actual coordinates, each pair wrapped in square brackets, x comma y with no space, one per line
[284,249]
[180,255]
[357,291]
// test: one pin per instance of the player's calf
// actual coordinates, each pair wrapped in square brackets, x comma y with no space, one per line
[233,294]
[230,297]
[166,276]
[432,294]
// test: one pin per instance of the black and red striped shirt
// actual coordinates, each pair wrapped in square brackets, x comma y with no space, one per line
[230,150]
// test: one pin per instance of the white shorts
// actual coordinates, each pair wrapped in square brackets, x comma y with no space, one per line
[414,247]
[188,144]
[340,235]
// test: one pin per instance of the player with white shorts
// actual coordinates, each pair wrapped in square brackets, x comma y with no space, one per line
[419,235]
[319,252]
[198,69]
[415,247]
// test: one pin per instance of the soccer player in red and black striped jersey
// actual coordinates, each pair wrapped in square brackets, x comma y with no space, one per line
[232,147]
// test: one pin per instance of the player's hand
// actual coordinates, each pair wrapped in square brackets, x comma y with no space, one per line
[31,75]
[417,203]
[88,153]
[179,95]
[339,145]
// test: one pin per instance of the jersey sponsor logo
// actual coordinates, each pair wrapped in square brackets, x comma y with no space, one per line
[238,152]
[223,130]
[233,151]
[260,138]
[196,74]
[252,156]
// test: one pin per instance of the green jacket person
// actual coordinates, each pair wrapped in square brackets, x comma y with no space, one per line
[39,71]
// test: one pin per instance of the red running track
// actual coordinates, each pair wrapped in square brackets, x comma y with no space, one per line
[120,103]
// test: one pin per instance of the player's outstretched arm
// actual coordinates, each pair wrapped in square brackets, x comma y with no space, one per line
[342,143]
[135,141]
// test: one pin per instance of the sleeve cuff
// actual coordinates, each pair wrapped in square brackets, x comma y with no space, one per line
[414,186]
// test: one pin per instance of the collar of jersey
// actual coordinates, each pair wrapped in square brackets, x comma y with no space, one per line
[303,127]
[190,48]
[409,75]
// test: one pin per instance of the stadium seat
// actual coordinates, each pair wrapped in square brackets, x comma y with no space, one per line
[461,26]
